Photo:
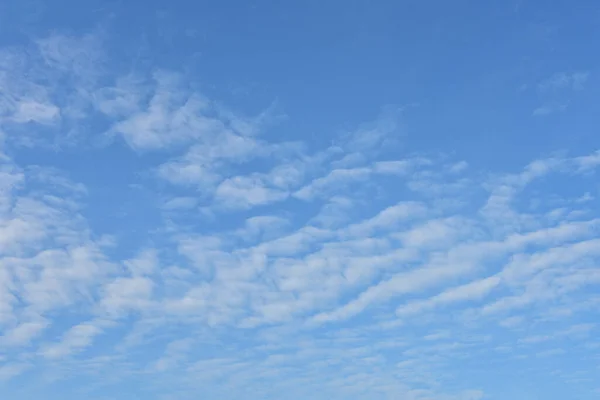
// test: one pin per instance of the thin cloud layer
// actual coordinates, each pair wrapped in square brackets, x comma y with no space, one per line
[265,268]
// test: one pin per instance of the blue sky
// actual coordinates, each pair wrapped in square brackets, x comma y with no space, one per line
[299,200]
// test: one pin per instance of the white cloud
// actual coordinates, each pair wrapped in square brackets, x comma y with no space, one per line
[563,80]
[459,167]
[373,136]
[413,262]
[336,178]
[263,227]
[555,91]
[170,116]
[75,339]
[548,109]
[402,283]
[459,261]
[586,163]
[436,233]
[246,192]
[32,111]
[387,219]
[122,99]
[126,294]
[470,291]
[174,354]
[23,333]
[180,203]
[77,56]
[203,164]
[340,178]
[145,263]
[9,371]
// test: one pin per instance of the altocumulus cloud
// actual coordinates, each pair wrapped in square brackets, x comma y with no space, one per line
[272,268]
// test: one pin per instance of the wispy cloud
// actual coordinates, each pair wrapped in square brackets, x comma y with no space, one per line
[555,91]
[549,109]
[75,339]
[262,266]
[563,80]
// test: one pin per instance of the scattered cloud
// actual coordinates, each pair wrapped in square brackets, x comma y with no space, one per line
[257,265]
[556,91]
[564,81]
[75,339]
[549,109]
